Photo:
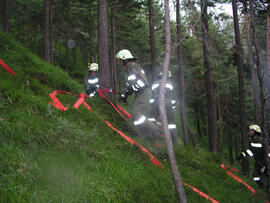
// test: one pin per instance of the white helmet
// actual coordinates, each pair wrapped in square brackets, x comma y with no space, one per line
[256,128]
[124,54]
[93,67]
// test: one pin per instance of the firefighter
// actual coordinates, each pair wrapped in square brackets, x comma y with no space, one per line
[257,151]
[91,80]
[170,103]
[136,83]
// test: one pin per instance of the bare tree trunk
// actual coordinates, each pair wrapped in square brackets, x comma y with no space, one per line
[67,58]
[254,84]
[74,55]
[203,118]
[198,124]
[6,16]
[262,95]
[230,148]
[59,51]
[84,58]
[46,32]
[113,52]
[268,64]
[237,145]
[152,41]
[181,76]
[51,50]
[220,121]
[211,100]
[169,146]
[241,89]
[200,105]
[103,46]
[91,55]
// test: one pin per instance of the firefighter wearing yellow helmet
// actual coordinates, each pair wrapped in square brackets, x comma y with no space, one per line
[137,83]
[93,67]
[256,150]
[91,80]
[170,104]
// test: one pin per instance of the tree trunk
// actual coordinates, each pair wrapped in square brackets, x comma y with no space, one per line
[51,50]
[74,55]
[91,55]
[203,109]
[181,76]
[230,148]
[236,144]
[211,101]
[103,46]
[67,57]
[199,108]
[152,41]
[254,83]
[6,16]
[262,95]
[169,146]
[46,32]
[241,88]
[198,124]
[59,52]
[220,121]
[86,58]
[113,52]
[268,64]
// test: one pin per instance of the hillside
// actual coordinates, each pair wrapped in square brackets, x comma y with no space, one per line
[47,155]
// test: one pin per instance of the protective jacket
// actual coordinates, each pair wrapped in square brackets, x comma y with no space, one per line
[91,84]
[257,150]
[170,104]
[136,83]
[135,79]
[170,98]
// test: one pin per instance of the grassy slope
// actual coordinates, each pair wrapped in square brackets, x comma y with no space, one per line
[52,156]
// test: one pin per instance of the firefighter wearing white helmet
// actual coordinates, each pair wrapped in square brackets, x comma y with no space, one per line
[125,54]
[256,128]
[170,104]
[136,83]
[91,80]
[256,150]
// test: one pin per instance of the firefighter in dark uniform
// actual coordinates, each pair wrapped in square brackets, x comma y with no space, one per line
[170,104]
[136,83]
[91,80]
[257,151]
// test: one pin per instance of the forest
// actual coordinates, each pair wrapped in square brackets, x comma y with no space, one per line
[219,61]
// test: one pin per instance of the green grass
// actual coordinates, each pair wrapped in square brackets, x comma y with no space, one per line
[51,156]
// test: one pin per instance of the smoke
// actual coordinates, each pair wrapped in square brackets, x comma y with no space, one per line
[60,175]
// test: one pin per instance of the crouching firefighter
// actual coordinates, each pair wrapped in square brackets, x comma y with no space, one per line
[257,151]
[170,104]
[136,83]
[91,80]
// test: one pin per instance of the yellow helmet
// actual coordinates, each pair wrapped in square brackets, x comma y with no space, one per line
[93,67]
[169,74]
[124,54]
[256,128]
